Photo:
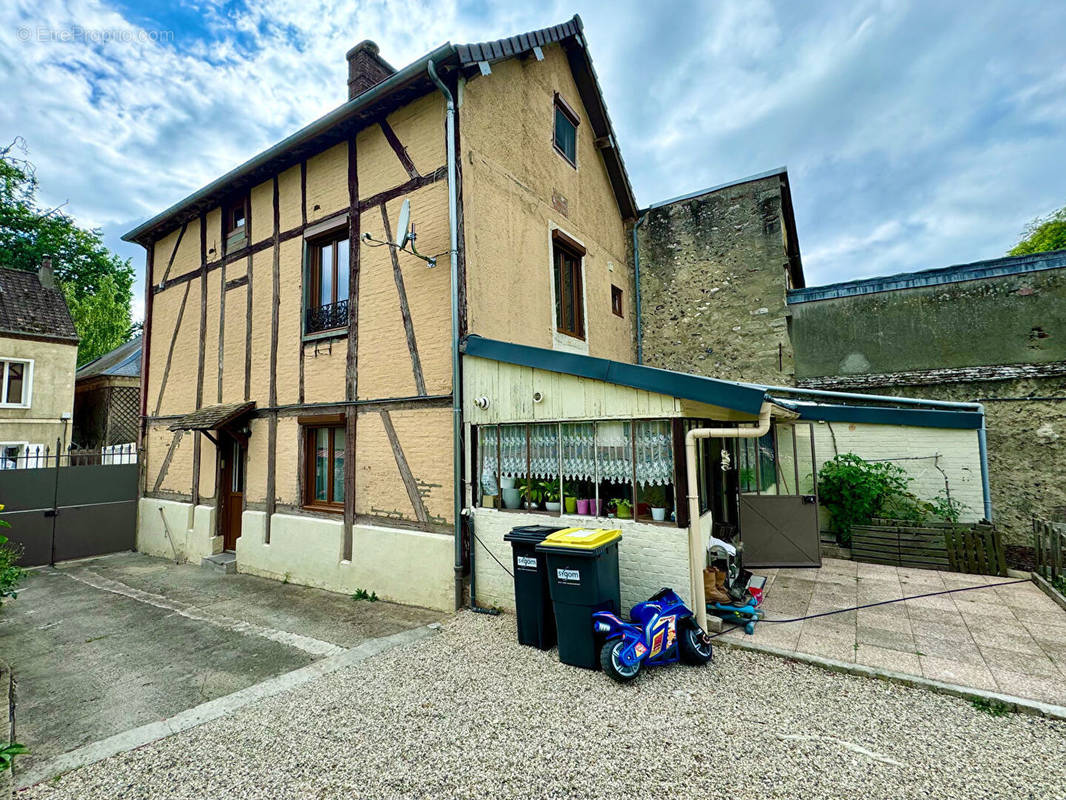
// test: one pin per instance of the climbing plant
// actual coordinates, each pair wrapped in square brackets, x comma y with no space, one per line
[854,491]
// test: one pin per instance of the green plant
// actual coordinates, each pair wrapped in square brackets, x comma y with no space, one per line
[655,496]
[549,491]
[531,489]
[10,573]
[624,509]
[363,594]
[8,753]
[996,708]
[945,508]
[854,491]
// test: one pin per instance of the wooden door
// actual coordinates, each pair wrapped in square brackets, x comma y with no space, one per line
[231,490]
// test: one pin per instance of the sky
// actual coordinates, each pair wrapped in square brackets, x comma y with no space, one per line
[917,134]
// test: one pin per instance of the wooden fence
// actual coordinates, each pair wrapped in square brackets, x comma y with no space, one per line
[975,549]
[1049,542]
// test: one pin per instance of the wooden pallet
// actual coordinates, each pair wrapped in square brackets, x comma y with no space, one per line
[976,549]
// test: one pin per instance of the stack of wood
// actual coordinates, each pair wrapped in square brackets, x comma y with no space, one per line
[972,548]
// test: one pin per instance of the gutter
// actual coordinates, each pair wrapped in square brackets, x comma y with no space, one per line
[457,408]
[982,436]
[696,557]
[317,128]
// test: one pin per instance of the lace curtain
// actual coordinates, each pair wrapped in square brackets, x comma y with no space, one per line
[590,451]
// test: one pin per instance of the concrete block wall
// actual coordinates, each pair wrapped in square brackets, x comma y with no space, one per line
[649,557]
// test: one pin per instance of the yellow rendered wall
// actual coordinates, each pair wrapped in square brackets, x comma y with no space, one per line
[511,172]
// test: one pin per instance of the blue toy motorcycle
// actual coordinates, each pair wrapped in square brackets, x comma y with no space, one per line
[662,631]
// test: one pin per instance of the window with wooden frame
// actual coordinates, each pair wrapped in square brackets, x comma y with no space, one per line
[328,273]
[15,378]
[323,475]
[569,288]
[616,301]
[565,137]
[235,222]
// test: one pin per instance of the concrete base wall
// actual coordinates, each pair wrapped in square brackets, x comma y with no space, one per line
[176,530]
[649,557]
[402,566]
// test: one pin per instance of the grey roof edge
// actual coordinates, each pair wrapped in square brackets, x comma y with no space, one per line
[728,184]
[882,415]
[305,135]
[742,397]
[113,362]
[959,273]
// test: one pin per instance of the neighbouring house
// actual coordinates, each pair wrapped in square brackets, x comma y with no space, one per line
[992,332]
[38,355]
[107,398]
[344,408]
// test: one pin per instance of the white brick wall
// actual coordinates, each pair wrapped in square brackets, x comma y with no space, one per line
[960,457]
[649,557]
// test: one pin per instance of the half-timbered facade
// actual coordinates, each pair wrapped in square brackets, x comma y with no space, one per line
[297,397]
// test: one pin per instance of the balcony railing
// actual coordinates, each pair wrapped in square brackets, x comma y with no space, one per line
[327,317]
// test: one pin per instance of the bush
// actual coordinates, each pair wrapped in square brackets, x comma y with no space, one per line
[854,491]
[10,573]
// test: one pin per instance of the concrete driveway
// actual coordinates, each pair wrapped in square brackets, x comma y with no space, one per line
[102,646]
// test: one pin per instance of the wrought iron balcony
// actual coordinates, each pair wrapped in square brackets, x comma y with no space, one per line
[327,317]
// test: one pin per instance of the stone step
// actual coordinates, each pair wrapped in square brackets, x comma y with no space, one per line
[223,562]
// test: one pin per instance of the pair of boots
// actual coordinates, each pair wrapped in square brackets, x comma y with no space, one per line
[714,586]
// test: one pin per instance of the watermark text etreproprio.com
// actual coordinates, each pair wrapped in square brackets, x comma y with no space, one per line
[76,33]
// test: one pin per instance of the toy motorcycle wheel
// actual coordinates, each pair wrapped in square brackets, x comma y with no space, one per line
[695,646]
[611,661]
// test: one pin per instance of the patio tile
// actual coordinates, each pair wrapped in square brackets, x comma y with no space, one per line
[875,570]
[839,565]
[936,602]
[1033,664]
[976,676]
[944,631]
[928,614]
[828,631]
[1005,639]
[889,640]
[965,651]
[827,648]
[883,658]
[885,618]
[928,577]
[783,636]
[1050,690]
[958,580]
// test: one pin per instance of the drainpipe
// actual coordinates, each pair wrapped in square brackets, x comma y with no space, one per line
[982,441]
[457,409]
[636,283]
[696,557]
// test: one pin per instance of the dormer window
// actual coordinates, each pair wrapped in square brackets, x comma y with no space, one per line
[235,223]
[566,122]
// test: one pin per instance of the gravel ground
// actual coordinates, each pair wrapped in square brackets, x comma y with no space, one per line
[469,713]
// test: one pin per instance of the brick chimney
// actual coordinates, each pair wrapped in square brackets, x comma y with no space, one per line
[366,68]
[45,274]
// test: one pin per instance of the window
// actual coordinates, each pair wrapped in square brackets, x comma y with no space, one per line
[328,272]
[615,468]
[15,379]
[324,469]
[569,292]
[566,123]
[616,301]
[235,223]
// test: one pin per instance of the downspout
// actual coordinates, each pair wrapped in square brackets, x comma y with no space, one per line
[982,440]
[457,408]
[636,284]
[696,558]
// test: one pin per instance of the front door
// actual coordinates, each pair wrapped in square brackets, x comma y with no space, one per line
[231,489]
[778,479]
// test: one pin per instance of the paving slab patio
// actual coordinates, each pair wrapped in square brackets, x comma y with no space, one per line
[1008,639]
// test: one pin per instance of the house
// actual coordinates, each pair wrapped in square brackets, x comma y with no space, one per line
[107,398]
[38,355]
[340,398]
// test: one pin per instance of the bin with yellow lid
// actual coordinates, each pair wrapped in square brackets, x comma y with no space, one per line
[582,579]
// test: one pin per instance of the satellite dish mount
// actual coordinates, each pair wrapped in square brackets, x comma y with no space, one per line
[405,235]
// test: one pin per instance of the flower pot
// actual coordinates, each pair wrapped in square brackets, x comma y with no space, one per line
[531,506]
[571,505]
[624,512]
[506,483]
[583,507]
[511,497]
[658,514]
[488,501]
[550,506]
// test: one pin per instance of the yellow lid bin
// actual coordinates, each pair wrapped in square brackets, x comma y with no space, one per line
[582,538]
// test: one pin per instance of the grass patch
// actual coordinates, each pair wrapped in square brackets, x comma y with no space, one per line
[995,708]
[363,594]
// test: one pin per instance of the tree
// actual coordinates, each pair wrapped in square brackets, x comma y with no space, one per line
[97,283]
[1042,234]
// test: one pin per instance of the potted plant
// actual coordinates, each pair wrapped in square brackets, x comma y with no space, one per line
[506,482]
[569,499]
[623,509]
[583,507]
[550,492]
[512,496]
[655,496]
[532,492]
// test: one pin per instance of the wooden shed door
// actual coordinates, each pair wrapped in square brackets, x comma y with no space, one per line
[231,490]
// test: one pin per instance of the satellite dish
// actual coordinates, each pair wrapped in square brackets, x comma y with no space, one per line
[403,225]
